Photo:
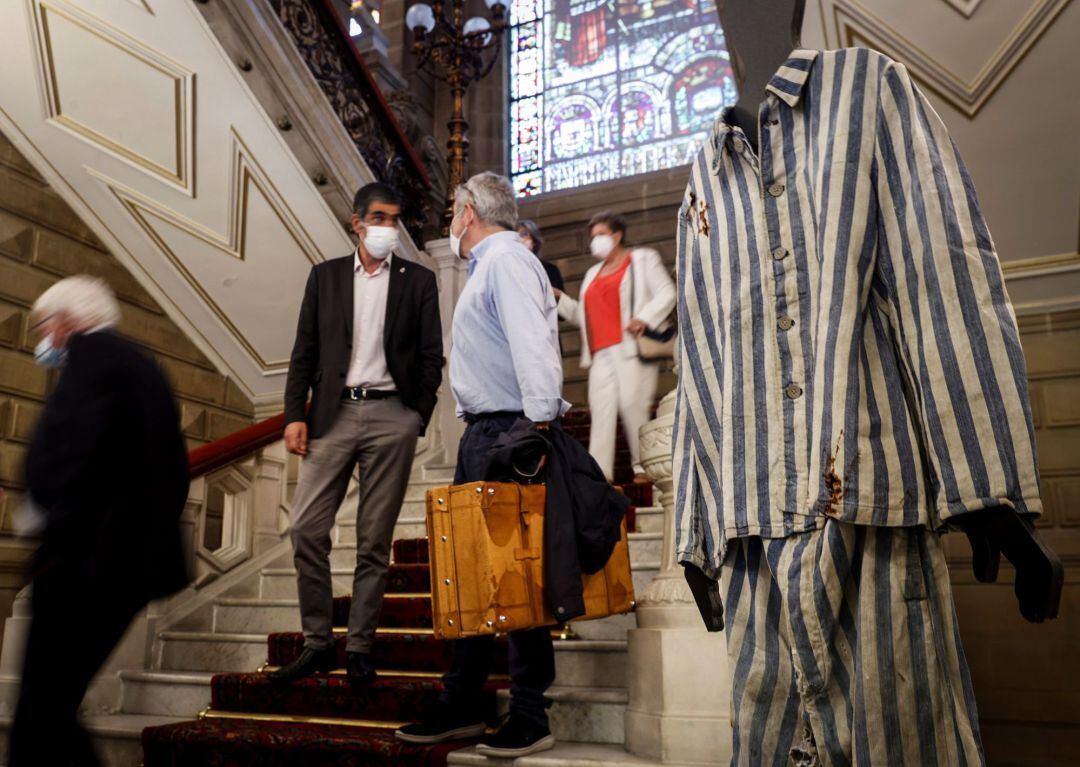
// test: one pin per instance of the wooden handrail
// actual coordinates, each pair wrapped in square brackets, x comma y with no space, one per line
[240,444]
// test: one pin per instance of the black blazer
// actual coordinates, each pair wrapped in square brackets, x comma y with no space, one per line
[107,465]
[412,340]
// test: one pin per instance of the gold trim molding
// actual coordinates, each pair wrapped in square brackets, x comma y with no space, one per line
[1040,266]
[181,172]
[965,8]
[855,24]
[245,174]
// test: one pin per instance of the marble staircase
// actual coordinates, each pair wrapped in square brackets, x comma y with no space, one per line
[590,693]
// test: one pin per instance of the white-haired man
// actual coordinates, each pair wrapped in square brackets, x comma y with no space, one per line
[107,472]
[504,365]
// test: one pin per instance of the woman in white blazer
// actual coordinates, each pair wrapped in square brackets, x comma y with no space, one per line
[627,292]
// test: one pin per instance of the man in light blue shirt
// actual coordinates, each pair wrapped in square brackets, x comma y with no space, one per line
[505,354]
[504,364]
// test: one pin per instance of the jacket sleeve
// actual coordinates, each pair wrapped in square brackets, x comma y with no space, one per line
[570,309]
[662,289]
[305,354]
[690,543]
[431,348]
[941,285]
[66,468]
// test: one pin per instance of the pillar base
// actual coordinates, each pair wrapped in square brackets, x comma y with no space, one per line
[680,693]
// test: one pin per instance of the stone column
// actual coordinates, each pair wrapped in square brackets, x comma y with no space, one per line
[680,687]
[451,272]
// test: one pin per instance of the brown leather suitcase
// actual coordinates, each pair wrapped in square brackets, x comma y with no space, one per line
[487,549]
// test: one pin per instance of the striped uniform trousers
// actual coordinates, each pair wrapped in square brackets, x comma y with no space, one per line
[844,649]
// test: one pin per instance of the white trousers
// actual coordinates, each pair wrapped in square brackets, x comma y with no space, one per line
[619,387]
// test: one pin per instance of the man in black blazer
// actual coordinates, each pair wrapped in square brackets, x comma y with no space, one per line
[107,479]
[369,347]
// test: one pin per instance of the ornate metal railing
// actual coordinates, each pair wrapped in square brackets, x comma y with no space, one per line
[324,43]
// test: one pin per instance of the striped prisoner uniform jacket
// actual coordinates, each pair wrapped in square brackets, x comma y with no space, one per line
[850,379]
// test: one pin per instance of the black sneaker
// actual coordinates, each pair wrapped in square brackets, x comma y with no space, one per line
[309,663]
[443,722]
[517,737]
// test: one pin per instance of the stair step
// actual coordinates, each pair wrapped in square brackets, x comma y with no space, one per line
[591,663]
[393,699]
[280,582]
[209,651]
[117,737]
[410,524]
[251,716]
[644,547]
[295,742]
[583,714]
[440,475]
[270,615]
[578,663]
[412,650]
[565,754]
[165,693]
[649,519]
[610,629]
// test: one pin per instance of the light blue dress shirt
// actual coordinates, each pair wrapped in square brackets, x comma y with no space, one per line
[505,337]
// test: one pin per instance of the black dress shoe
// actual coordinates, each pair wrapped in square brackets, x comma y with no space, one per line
[360,670]
[310,662]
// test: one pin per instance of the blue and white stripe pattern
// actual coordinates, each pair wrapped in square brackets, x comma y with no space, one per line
[847,349]
[844,649]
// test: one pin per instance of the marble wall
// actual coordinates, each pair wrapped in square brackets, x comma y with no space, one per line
[42,241]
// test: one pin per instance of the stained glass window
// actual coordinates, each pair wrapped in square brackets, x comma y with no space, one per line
[601,89]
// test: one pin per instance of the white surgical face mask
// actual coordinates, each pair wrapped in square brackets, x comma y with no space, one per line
[47,355]
[380,241]
[455,239]
[602,245]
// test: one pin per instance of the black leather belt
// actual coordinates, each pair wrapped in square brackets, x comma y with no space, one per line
[500,414]
[359,392]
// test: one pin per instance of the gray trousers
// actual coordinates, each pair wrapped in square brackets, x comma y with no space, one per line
[380,436]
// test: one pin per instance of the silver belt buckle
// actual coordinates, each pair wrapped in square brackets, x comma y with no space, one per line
[352,393]
[363,393]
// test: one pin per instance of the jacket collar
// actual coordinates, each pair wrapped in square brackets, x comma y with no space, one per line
[787,85]
[790,79]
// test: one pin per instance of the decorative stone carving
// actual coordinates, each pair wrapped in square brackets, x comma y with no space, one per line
[407,110]
[669,587]
[225,522]
[358,103]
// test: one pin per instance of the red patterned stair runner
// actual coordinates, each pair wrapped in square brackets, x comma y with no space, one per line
[318,721]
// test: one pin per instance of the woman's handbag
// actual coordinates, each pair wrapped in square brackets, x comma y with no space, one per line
[655,343]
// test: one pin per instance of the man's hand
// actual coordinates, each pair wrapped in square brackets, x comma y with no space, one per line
[636,328]
[296,438]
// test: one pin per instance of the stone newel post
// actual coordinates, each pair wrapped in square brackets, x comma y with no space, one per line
[452,272]
[680,688]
